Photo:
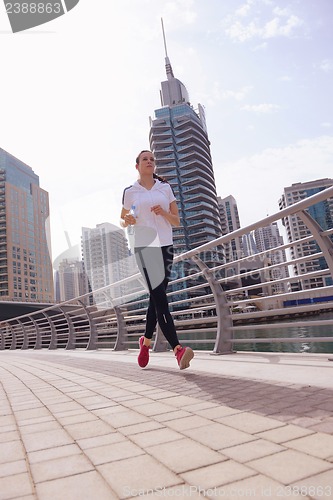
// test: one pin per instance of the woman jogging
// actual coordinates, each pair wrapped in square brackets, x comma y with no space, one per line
[150,208]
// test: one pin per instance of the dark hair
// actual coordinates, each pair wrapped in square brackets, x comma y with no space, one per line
[155,176]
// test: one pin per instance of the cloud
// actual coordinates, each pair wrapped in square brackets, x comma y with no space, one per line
[266,22]
[326,65]
[261,108]
[326,125]
[285,78]
[238,95]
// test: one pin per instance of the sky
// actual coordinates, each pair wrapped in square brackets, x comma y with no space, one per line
[77,94]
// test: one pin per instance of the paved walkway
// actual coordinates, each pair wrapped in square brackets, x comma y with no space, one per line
[93,425]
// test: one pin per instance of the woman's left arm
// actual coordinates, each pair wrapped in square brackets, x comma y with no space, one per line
[172,216]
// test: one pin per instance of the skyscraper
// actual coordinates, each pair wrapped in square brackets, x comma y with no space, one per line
[296,228]
[179,140]
[25,260]
[106,259]
[230,222]
[267,238]
[71,280]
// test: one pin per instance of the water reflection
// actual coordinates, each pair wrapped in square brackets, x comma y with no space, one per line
[292,332]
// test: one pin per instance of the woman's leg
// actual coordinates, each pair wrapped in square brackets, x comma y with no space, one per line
[151,316]
[158,308]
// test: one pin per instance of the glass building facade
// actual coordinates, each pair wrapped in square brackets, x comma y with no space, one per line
[26,273]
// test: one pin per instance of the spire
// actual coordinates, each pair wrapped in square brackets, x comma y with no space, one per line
[168,67]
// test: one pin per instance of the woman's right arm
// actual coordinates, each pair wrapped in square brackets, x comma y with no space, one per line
[126,219]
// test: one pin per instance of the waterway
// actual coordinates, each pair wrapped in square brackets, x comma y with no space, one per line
[302,332]
[290,332]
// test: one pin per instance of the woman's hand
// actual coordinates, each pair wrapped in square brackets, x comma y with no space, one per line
[129,219]
[158,210]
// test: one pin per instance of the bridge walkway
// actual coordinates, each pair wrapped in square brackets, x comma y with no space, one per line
[93,425]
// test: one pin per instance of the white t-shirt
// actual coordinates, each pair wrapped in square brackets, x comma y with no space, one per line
[150,229]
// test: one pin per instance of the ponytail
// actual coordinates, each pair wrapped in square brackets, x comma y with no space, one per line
[159,178]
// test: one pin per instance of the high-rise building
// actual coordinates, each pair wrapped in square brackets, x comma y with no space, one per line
[25,258]
[106,259]
[179,140]
[267,238]
[71,280]
[230,222]
[249,245]
[296,228]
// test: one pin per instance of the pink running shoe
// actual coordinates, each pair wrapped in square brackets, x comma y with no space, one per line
[143,358]
[184,356]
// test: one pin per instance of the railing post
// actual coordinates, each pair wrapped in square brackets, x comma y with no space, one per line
[25,344]
[38,344]
[13,343]
[71,331]
[223,343]
[3,330]
[121,330]
[53,341]
[92,343]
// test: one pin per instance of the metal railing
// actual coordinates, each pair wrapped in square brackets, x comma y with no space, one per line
[211,305]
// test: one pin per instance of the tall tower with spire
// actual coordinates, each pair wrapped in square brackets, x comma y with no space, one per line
[178,137]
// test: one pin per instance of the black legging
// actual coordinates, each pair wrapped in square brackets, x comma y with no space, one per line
[157,273]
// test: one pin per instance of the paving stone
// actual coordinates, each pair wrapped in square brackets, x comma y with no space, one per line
[186,423]
[113,452]
[11,468]
[158,394]
[217,474]
[6,419]
[79,487]
[202,405]
[172,415]
[94,442]
[146,474]
[180,491]
[218,436]
[289,466]
[318,487]
[12,435]
[60,468]
[182,401]
[130,430]
[46,439]
[50,425]
[217,412]
[94,428]
[154,437]
[11,452]
[26,415]
[285,433]
[250,451]
[324,426]
[53,453]
[184,454]
[135,401]
[85,416]
[318,445]
[257,486]
[124,418]
[155,408]
[248,422]
[15,486]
